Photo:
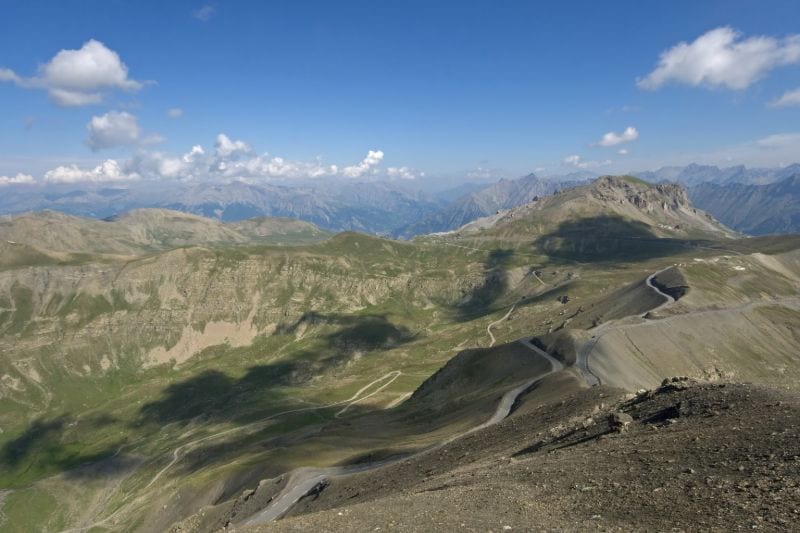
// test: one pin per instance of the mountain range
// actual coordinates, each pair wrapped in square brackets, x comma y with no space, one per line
[694,174]
[753,209]
[401,209]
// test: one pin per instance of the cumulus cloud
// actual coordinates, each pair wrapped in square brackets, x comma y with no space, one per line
[235,159]
[112,129]
[158,165]
[373,159]
[19,179]
[174,112]
[721,58]
[787,99]
[10,75]
[117,128]
[78,77]
[225,147]
[107,171]
[229,160]
[578,162]
[401,172]
[263,166]
[622,151]
[613,139]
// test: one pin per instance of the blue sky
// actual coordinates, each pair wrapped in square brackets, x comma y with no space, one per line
[429,87]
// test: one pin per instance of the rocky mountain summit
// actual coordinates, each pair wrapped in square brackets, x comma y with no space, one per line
[666,196]
[619,204]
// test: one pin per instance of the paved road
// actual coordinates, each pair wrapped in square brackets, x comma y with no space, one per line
[582,357]
[305,480]
[669,299]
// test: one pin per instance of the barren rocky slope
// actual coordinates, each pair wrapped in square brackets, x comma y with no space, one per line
[694,456]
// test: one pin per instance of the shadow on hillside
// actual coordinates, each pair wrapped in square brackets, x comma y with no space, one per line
[260,394]
[606,239]
[43,444]
[479,301]
[214,396]
[39,432]
[209,398]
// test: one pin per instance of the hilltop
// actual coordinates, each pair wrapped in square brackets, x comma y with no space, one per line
[611,219]
[502,195]
[145,230]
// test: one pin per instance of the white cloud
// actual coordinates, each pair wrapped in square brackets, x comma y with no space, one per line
[263,166]
[622,151]
[229,160]
[112,129]
[373,159]
[779,141]
[19,179]
[117,128]
[157,165]
[789,98]
[578,162]
[225,147]
[78,77]
[401,172]
[721,58]
[109,170]
[613,139]
[205,12]
[174,112]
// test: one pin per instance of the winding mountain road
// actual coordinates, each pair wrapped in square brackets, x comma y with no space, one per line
[582,356]
[669,299]
[304,481]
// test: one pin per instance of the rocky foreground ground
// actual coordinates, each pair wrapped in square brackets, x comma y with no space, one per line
[687,456]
